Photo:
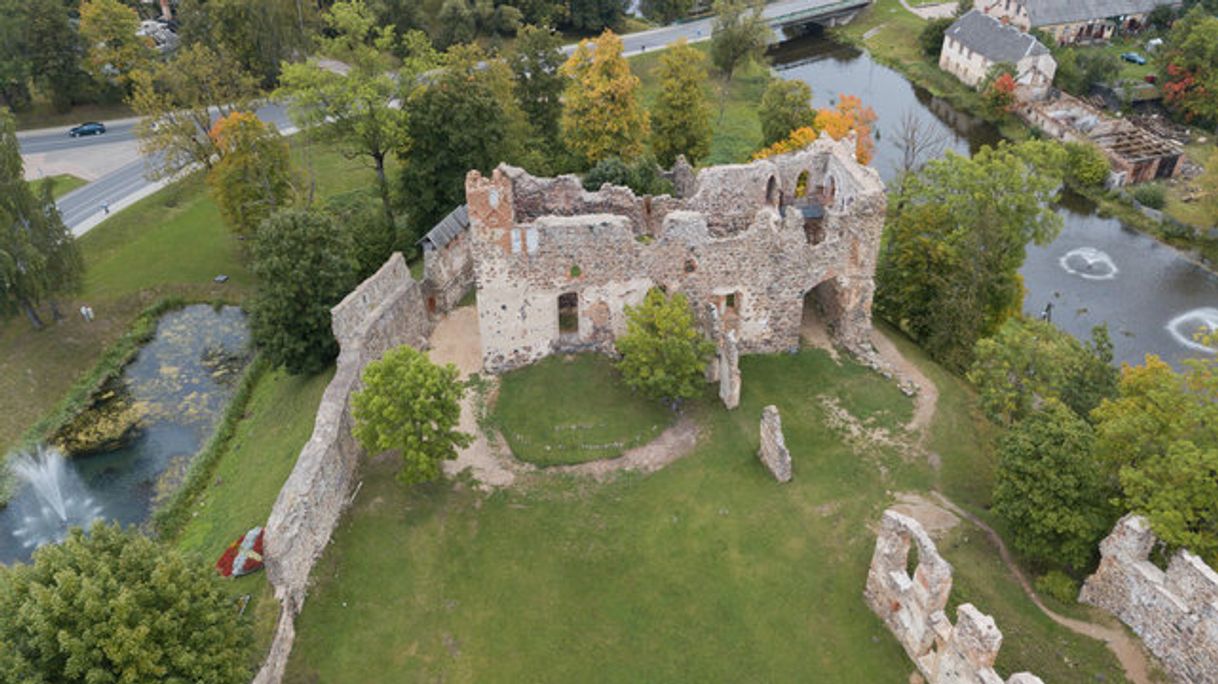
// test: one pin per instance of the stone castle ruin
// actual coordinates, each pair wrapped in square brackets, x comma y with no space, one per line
[1174,612]
[912,607]
[555,265]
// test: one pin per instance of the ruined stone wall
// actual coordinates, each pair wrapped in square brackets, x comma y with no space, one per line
[534,240]
[913,610]
[385,311]
[448,273]
[1174,612]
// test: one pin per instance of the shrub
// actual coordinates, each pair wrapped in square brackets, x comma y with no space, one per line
[1150,195]
[642,176]
[664,354]
[1059,585]
[931,37]
[1086,165]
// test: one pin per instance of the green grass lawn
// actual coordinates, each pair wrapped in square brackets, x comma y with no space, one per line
[62,184]
[707,570]
[735,126]
[575,425]
[171,243]
[277,424]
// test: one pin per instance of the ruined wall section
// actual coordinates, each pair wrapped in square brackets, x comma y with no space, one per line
[385,311]
[913,610]
[728,246]
[448,273]
[1174,612]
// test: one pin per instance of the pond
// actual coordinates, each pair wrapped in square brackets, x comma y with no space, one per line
[1153,298]
[179,382]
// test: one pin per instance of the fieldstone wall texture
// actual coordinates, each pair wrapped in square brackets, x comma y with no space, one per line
[913,610]
[1174,612]
[773,452]
[742,242]
[386,310]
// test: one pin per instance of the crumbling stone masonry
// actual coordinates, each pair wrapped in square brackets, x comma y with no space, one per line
[773,452]
[1174,612]
[555,265]
[913,610]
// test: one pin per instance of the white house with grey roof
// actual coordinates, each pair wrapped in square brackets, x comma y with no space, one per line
[1073,21]
[975,43]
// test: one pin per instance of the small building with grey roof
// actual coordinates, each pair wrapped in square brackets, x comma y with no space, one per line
[976,43]
[1073,21]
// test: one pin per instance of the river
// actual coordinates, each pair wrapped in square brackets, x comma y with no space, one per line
[1153,298]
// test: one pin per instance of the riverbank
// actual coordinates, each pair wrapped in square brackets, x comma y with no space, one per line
[889,33]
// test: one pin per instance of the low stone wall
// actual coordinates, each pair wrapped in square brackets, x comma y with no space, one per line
[1174,612]
[913,610]
[387,310]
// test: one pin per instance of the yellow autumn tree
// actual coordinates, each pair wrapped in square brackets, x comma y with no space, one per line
[601,115]
[849,115]
[253,176]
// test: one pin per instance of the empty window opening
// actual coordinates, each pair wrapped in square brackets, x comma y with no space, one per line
[771,191]
[801,185]
[830,191]
[731,302]
[568,313]
[814,222]
[911,561]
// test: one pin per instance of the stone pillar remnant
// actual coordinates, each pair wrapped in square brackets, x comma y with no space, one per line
[773,452]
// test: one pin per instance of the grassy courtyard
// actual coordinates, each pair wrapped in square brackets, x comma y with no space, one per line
[704,571]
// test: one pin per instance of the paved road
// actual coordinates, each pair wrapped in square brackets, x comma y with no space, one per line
[82,208]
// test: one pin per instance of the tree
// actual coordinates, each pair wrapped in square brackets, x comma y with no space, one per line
[849,116]
[258,35]
[664,354]
[681,117]
[39,259]
[15,65]
[1188,66]
[918,140]
[115,51]
[1086,165]
[589,16]
[1079,68]
[1049,490]
[948,271]
[930,38]
[665,11]
[176,100]
[456,23]
[54,50]
[1029,362]
[998,91]
[536,62]
[410,404]
[785,106]
[458,122]
[253,177]
[115,606]
[642,176]
[601,115]
[357,108]
[1160,436]
[305,264]
[740,33]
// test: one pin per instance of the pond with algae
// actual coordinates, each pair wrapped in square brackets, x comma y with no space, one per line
[168,401]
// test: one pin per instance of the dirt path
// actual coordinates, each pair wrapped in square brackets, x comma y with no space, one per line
[927,398]
[674,443]
[1128,650]
[942,10]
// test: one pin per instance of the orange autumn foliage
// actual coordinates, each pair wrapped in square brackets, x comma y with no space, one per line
[849,115]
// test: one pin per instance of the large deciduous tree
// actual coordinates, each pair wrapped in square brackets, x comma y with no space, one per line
[305,265]
[410,404]
[593,15]
[664,354]
[740,33]
[114,50]
[949,265]
[54,50]
[253,177]
[39,259]
[536,62]
[1049,489]
[1188,66]
[785,106]
[15,64]
[665,11]
[115,606]
[259,35]
[602,116]
[176,100]
[681,116]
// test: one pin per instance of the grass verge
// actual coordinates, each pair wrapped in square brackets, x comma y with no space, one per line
[548,417]
[62,184]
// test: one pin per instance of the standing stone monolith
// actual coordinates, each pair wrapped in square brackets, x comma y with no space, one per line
[773,452]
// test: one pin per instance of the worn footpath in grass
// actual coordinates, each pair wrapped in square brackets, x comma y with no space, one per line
[548,416]
[736,128]
[172,243]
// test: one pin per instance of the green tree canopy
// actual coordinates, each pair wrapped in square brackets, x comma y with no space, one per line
[1188,65]
[1049,489]
[1029,361]
[740,33]
[930,38]
[785,106]
[413,405]
[253,177]
[948,272]
[258,35]
[642,176]
[681,116]
[15,64]
[115,606]
[536,62]
[601,115]
[1086,165]
[665,11]
[589,16]
[664,354]
[305,264]
[114,50]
